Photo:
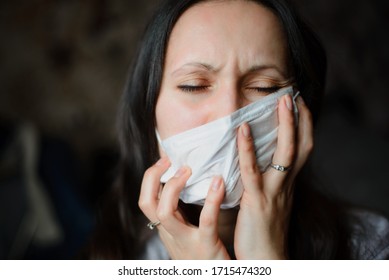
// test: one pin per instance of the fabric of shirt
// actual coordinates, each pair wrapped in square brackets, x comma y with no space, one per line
[369,238]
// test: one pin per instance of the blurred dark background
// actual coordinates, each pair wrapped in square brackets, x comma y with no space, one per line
[63,65]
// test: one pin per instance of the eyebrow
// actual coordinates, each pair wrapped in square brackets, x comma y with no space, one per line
[208,67]
[204,66]
[258,68]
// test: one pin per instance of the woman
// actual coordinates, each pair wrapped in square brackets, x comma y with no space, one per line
[199,62]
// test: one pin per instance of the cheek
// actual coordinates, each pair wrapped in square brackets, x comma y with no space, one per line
[174,116]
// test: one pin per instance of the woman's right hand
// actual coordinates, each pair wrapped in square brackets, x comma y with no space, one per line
[182,239]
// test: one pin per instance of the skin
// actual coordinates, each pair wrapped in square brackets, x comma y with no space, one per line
[221,56]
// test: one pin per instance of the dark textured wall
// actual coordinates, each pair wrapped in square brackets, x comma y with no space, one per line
[63,65]
[352,137]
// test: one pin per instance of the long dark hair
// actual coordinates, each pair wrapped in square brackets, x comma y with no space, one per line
[117,235]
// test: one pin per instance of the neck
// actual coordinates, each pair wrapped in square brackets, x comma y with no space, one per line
[226,220]
[226,225]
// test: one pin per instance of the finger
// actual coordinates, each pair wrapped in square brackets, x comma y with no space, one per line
[167,210]
[304,135]
[210,212]
[285,151]
[286,133]
[249,170]
[150,188]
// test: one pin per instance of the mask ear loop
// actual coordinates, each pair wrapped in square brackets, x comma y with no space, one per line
[295,109]
[295,95]
[158,137]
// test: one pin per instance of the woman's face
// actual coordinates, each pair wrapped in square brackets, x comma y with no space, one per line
[221,56]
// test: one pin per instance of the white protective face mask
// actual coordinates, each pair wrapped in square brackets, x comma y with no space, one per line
[211,149]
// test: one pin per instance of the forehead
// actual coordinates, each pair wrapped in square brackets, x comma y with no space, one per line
[215,28]
[225,11]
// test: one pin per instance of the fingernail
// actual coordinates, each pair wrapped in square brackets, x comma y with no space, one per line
[246,130]
[161,161]
[216,183]
[288,102]
[180,172]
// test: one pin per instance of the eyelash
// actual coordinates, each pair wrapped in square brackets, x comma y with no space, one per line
[265,89]
[268,90]
[187,88]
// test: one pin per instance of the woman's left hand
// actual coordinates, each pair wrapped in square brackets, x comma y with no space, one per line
[263,219]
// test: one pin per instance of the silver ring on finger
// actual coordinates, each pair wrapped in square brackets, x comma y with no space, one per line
[152,225]
[280,167]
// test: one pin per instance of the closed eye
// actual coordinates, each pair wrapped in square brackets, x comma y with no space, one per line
[189,88]
[267,90]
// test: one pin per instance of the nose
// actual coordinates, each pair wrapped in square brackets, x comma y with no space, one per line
[226,100]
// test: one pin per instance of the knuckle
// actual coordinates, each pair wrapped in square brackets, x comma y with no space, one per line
[206,221]
[250,168]
[309,115]
[304,112]
[144,204]
[163,215]
[213,198]
[174,186]
[149,172]
[308,147]
[249,148]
